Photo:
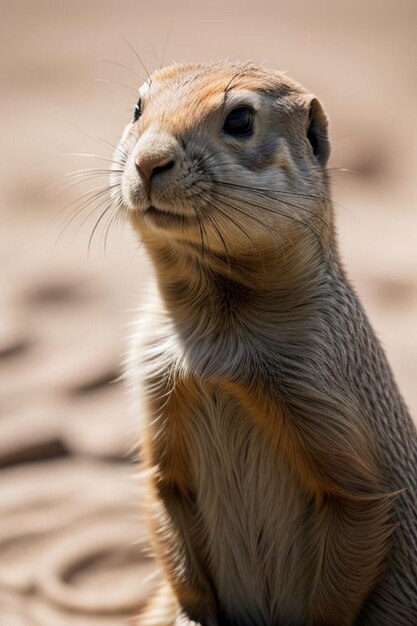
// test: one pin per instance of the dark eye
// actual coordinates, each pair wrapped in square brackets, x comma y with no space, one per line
[239,122]
[138,111]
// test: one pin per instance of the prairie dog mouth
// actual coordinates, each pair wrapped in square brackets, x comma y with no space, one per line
[154,209]
[165,219]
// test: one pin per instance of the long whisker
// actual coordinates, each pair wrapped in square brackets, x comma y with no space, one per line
[158,60]
[286,202]
[97,196]
[143,66]
[275,211]
[343,169]
[90,155]
[96,139]
[84,207]
[113,219]
[165,45]
[239,209]
[201,205]
[230,166]
[97,207]
[74,178]
[115,82]
[212,221]
[98,190]
[204,160]
[108,207]
[125,67]
[277,191]
[77,178]
[88,170]
[244,232]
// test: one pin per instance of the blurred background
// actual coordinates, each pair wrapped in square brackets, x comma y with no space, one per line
[71,542]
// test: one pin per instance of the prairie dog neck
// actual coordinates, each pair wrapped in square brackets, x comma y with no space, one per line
[264,287]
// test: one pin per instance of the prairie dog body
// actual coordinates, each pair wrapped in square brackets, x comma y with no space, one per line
[275,438]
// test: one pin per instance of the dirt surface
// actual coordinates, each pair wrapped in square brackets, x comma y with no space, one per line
[71,538]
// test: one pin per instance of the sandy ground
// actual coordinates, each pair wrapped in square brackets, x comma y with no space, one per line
[71,544]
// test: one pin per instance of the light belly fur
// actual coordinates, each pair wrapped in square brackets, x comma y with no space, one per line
[256,517]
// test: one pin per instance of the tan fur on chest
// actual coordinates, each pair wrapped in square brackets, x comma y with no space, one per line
[250,514]
[254,512]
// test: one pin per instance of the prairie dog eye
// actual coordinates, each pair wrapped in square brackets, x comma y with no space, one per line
[138,110]
[239,122]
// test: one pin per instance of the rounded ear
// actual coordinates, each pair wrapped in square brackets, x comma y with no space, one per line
[318,131]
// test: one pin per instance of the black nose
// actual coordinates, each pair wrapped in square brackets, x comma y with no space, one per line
[163,168]
[150,165]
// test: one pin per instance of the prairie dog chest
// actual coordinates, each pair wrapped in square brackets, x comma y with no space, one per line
[253,511]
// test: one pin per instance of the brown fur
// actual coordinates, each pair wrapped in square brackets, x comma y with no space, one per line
[274,481]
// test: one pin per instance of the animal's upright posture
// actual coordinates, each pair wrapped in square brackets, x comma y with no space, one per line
[282,462]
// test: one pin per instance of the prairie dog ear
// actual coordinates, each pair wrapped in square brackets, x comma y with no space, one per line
[318,131]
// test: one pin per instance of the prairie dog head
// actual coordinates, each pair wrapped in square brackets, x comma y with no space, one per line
[228,158]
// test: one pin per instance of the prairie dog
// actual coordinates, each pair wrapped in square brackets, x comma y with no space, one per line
[281,458]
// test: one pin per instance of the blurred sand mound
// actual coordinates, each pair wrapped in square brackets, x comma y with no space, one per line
[71,547]
[70,550]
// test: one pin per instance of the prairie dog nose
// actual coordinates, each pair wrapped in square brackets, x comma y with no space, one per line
[150,164]
[156,152]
